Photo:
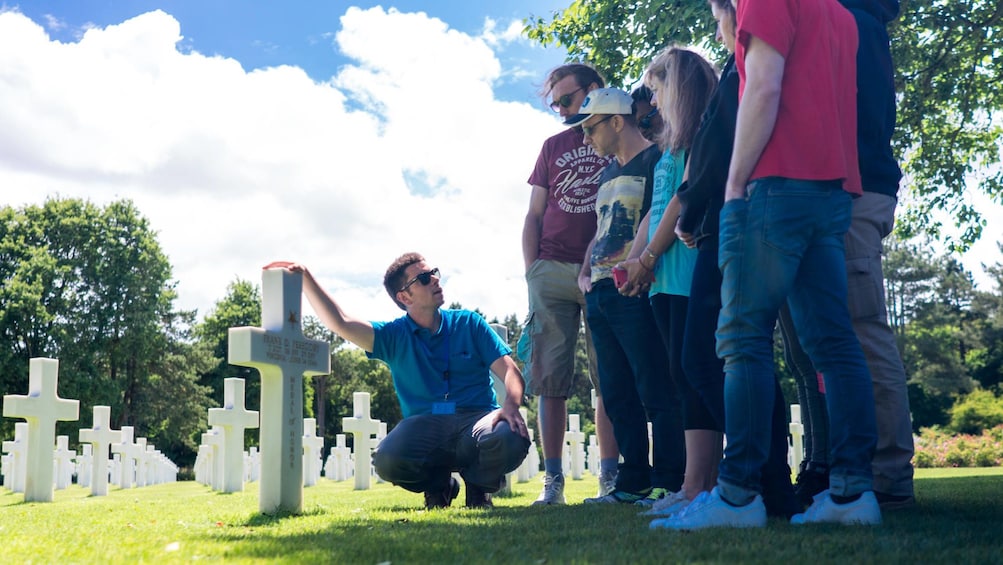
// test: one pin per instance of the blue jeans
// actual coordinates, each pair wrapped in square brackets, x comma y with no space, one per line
[635,382]
[705,372]
[784,241]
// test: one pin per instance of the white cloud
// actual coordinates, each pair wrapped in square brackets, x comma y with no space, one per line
[491,35]
[54,23]
[405,149]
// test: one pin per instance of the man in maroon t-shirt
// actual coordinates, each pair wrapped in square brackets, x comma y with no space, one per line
[559,226]
[787,207]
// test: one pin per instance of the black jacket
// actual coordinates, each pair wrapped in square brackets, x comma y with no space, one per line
[702,195]
[879,171]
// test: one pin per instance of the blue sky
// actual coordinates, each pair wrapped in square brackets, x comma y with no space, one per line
[317,131]
[333,133]
[267,33]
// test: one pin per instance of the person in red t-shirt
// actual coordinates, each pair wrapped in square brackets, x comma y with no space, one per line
[788,198]
[559,226]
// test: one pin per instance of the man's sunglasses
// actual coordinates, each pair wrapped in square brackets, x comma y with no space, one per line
[645,121]
[423,278]
[587,130]
[564,101]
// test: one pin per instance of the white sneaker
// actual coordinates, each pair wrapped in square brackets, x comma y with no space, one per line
[607,483]
[553,490]
[669,505]
[864,511]
[709,510]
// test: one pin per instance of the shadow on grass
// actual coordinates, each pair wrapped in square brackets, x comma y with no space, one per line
[957,520]
[407,534]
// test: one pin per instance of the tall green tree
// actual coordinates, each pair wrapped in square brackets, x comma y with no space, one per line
[949,63]
[986,361]
[930,305]
[90,286]
[239,308]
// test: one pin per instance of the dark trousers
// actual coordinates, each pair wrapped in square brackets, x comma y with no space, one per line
[421,451]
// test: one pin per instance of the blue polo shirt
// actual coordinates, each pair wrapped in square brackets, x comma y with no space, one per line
[455,360]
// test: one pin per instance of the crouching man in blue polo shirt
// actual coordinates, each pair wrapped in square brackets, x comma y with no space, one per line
[439,360]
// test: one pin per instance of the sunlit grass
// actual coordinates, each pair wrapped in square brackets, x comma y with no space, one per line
[958,520]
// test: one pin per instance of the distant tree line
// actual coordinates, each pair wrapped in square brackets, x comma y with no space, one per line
[90,286]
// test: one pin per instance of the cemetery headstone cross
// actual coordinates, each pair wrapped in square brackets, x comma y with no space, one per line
[233,419]
[363,428]
[41,409]
[100,436]
[283,356]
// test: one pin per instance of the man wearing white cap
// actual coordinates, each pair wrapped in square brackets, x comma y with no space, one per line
[633,369]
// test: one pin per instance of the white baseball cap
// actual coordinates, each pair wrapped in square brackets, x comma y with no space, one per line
[602,101]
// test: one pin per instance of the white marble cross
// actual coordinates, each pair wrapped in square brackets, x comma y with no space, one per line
[85,466]
[101,436]
[253,464]
[203,464]
[283,356]
[530,466]
[382,433]
[41,408]
[313,452]
[651,446]
[233,419]
[339,463]
[363,428]
[592,455]
[797,437]
[63,458]
[17,453]
[127,451]
[142,456]
[214,440]
[575,439]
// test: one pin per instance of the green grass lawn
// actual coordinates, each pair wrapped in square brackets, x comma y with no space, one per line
[958,520]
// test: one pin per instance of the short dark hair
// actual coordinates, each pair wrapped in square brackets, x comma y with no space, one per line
[394,278]
[584,76]
[641,94]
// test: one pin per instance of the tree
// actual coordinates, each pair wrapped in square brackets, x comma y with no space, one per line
[949,61]
[314,329]
[239,308]
[91,287]
[986,361]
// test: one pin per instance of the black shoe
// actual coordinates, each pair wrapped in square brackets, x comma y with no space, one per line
[813,479]
[894,501]
[477,498]
[779,497]
[443,498]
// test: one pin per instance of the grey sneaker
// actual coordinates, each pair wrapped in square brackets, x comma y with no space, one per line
[669,505]
[553,490]
[607,483]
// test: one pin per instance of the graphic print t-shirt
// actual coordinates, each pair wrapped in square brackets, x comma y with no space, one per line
[569,170]
[623,199]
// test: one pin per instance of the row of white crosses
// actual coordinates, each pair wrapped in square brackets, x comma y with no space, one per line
[223,465]
[34,466]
